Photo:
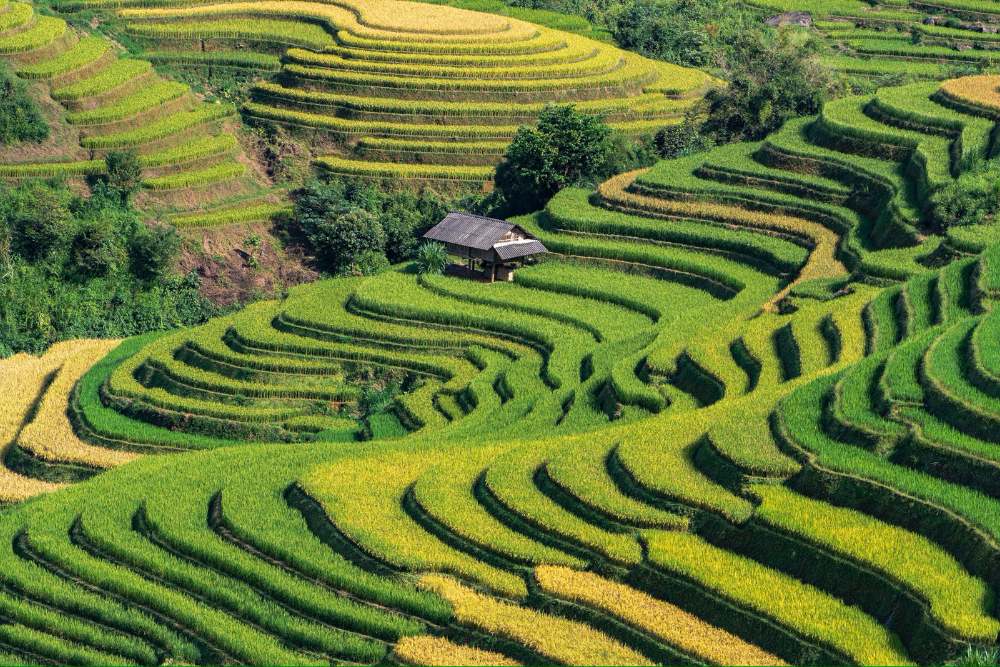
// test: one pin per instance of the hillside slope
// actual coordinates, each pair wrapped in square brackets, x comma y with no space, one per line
[726,423]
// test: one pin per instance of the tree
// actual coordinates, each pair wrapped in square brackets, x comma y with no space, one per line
[432,258]
[94,250]
[41,220]
[771,78]
[124,173]
[688,32]
[152,251]
[339,238]
[20,117]
[565,148]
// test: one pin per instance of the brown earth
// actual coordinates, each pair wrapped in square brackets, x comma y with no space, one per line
[242,263]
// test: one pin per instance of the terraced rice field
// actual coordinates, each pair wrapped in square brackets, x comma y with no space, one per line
[746,413]
[109,103]
[913,38]
[402,91]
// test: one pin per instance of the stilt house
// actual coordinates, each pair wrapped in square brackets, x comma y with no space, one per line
[493,247]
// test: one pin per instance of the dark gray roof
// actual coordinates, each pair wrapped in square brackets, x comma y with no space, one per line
[470,231]
[517,249]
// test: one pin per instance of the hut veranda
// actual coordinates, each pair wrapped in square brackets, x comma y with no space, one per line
[490,248]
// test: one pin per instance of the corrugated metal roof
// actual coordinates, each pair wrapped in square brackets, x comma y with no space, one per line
[471,231]
[516,249]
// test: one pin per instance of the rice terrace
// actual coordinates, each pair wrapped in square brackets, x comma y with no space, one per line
[500,332]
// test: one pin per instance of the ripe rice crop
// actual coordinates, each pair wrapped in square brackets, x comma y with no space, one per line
[247,59]
[114,75]
[661,619]
[49,436]
[801,607]
[17,14]
[149,98]
[240,214]
[389,170]
[84,52]
[45,30]
[159,129]
[552,637]
[196,178]
[977,92]
[957,600]
[258,30]
[428,650]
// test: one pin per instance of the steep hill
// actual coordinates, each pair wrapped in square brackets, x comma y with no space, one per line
[101,102]
[740,417]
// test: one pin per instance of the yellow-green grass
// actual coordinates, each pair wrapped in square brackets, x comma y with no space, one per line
[81,54]
[663,620]
[196,178]
[49,435]
[149,98]
[429,650]
[552,637]
[347,167]
[118,73]
[45,30]
[16,14]
[811,612]
[958,601]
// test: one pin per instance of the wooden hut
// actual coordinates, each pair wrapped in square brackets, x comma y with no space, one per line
[496,247]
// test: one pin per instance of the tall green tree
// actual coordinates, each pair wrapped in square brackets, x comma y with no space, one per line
[566,147]
[772,77]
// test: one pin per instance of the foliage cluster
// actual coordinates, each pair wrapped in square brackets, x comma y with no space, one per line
[20,117]
[77,267]
[357,228]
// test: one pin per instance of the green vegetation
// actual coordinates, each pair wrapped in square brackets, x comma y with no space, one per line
[20,117]
[77,268]
[744,410]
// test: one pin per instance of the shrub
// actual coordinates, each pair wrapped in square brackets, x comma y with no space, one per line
[124,172]
[94,251]
[681,139]
[152,251]
[565,148]
[432,258]
[340,237]
[20,117]
[770,80]
[400,217]
[368,263]
[689,32]
[40,218]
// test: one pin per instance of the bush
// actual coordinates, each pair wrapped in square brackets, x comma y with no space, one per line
[73,267]
[432,258]
[971,199]
[387,223]
[368,263]
[124,172]
[688,32]
[339,238]
[772,78]
[152,252]
[94,251]
[20,117]
[682,139]
[567,147]
[40,218]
